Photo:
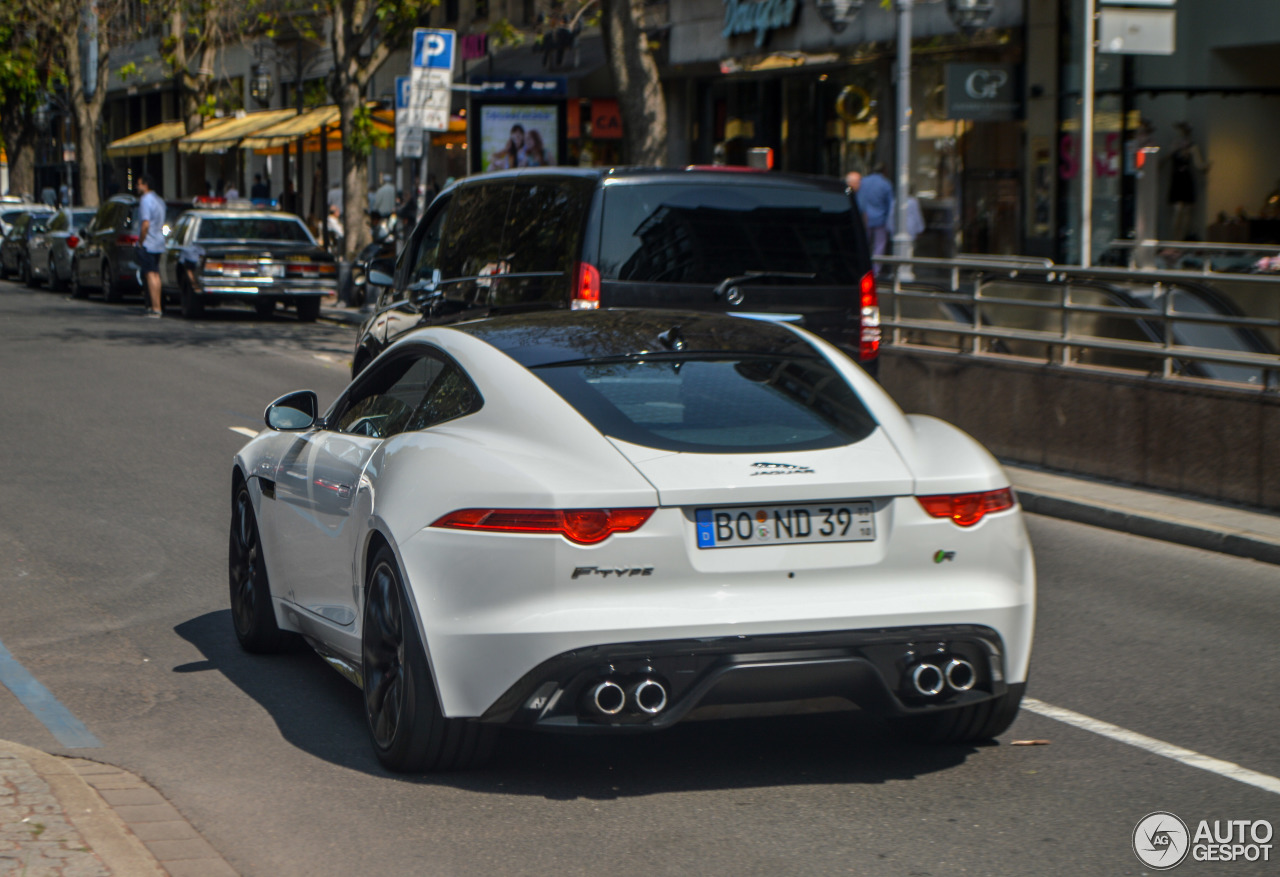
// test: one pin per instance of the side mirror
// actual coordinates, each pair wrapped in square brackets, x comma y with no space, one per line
[379,278]
[293,412]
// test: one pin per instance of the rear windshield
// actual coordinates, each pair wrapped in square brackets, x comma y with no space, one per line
[703,233]
[253,229]
[715,403]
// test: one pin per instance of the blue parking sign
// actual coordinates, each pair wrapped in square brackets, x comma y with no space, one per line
[404,88]
[433,49]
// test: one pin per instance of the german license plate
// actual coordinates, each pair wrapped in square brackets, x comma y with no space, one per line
[740,526]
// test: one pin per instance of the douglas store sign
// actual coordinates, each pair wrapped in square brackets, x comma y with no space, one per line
[760,17]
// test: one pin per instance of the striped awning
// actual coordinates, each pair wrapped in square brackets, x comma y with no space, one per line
[229,132]
[149,141]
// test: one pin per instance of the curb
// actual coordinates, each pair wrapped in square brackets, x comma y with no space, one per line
[1167,528]
[99,825]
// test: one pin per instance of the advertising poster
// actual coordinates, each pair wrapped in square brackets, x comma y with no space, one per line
[518,135]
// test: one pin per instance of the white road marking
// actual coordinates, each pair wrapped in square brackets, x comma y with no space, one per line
[325,357]
[1188,757]
[244,431]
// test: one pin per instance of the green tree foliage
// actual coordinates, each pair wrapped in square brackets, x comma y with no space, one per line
[26,68]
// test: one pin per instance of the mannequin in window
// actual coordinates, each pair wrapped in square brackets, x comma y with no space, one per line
[1185,160]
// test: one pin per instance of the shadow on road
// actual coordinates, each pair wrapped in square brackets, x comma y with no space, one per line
[321,713]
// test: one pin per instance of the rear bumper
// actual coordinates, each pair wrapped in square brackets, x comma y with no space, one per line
[871,668]
[230,289]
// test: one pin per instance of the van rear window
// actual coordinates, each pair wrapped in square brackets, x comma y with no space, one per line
[715,403]
[703,233]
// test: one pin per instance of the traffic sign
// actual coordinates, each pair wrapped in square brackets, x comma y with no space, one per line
[431,78]
[408,133]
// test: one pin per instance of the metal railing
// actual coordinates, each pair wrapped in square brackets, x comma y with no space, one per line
[1167,323]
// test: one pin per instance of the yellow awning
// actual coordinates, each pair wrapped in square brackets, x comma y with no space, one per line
[150,141]
[308,126]
[228,133]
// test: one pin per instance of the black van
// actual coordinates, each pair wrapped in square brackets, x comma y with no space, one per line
[737,240]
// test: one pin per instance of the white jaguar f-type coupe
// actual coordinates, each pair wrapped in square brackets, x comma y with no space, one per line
[604,521]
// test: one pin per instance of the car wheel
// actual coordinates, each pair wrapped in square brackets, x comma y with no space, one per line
[308,309]
[251,611]
[77,290]
[110,292]
[264,307]
[24,271]
[192,305]
[408,730]
[31,279]
[57,282]
[967,724]
[4,271]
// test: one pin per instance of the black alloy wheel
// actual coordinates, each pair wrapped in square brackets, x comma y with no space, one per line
[110,291]
[77,290]
[408,729]
[251,611]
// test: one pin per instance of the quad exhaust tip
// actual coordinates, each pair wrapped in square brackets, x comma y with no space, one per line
[928,679]
[607,698]
[649,696]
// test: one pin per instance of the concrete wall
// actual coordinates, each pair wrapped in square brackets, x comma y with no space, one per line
[1214,443]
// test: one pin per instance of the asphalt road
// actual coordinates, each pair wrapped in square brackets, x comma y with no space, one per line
[117,444]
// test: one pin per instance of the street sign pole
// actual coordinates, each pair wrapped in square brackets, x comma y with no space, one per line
[431,78]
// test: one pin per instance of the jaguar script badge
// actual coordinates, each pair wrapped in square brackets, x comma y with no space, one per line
[779,469]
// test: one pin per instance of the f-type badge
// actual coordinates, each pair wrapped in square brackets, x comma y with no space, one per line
[779,469]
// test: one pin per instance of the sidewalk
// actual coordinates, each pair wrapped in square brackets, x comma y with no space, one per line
[67,817]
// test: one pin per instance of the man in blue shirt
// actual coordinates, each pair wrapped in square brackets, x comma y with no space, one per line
[150,242]
[875,200]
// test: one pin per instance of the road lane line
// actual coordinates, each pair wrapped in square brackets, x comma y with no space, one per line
[41,703]
[1189,757]
[244,431]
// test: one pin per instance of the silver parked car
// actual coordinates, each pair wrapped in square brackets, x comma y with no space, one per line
[50,249]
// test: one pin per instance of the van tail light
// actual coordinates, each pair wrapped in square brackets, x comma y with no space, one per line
[73,241]
[966,509]
[586,293]
[583,526]
[869,338]
[126,240]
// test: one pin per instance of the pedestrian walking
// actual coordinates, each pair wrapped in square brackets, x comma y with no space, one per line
[1185,161]
[875,200]
[150,242]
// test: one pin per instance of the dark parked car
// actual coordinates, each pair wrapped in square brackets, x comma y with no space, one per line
[261,256]
[53,246]
[15,257]
[778,246]
[106,257]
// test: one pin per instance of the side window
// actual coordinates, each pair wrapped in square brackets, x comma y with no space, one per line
[103,218]
[382,405]
[426,257]
[179,235]
[59,223]
[452,396]
[472,239]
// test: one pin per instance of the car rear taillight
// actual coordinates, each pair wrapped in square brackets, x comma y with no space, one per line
[584,526]
[126,240]
[869,338]
[586,292]
[966,509]
[73,241]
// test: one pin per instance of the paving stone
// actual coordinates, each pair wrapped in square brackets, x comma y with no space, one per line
[131,797]
[148,831]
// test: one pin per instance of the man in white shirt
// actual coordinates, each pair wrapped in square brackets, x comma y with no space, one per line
[384,200]
[150,242]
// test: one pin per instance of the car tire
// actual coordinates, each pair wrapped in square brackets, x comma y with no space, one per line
[252,614]
[308,309]
[24,271]
[264,307]
[32,281]
[967,724]
[110,290]
[192,305]
[4,271]
[77,290]
[56,283]
[408,730]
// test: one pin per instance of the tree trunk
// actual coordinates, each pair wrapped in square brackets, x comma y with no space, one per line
[86,110]
[355,179]
[20,146]
[635,73]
